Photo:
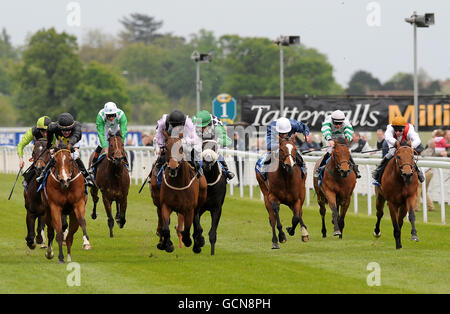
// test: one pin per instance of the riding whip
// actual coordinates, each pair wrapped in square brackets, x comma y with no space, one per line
[145,181]
[20,170]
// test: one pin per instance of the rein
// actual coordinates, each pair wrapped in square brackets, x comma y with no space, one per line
[218,177]
[176,188]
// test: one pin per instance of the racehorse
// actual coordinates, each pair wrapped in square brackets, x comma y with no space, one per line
[181,192]
[399,188]
[65,195]
[33,203]
[217,188]
[113,180]
[284,185]
[338,182]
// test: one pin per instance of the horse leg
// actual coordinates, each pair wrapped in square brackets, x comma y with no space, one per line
[188,219]
[322,211]
[215,218]
[410,203]
[179,230]
[272,222]
[343,211]
[31,222]
[276,210]
[331,197]
[107,204]
[123,208]
[50,235]
[40,238]
[80,209]
[166,245]
[95,198]
[199,240]
[73,227]
[395,224]
[57,226]
[379,205]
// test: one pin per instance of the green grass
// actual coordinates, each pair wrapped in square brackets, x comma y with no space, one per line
[244,261]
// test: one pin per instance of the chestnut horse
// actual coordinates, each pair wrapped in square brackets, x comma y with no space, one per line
[181,191]
[399,188]
[285,185]
[337,186]
[33,203]
[65,194]
[113,180]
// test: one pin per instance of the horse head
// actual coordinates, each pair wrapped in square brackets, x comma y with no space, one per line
[341,156]
[287,151]
[40,155]
[404,158]
[116,152]
[63,166]
[209,154]
[175,154]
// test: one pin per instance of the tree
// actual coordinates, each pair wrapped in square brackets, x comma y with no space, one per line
[98,85]
[140,28]
[49,75]
[361,82]
[98,46]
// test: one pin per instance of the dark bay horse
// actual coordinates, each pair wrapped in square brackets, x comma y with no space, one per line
[182,192]
[113,180]
[217,188]
[36,208]
[65,195]
[399,188]
[337,186]
[285,185]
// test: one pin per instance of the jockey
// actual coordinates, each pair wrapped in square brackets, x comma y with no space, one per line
[67,131]
[399,130]
[210,127]
[284,128]
[35,133]
[110,117]
[173,124]
[333,126]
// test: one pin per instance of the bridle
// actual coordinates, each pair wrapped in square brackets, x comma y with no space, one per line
[397,159]
[57,177]
[338,163]
[112,154]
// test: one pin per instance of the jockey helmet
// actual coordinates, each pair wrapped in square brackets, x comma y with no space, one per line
[399,121]
[203,118]
[65,121]
[110,108]
[283,125]
[176,118]
[43,122]
[337,117]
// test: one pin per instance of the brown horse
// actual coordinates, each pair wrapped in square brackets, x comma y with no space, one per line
[285,185]
[181,191]
[65,195]
[33,203]
[399,189]
[113,180]
[337,186]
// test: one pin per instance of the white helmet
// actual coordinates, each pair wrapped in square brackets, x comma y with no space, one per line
[110,108]
[283,125]
[337,116]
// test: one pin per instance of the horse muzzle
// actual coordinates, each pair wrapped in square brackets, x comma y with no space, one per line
[344,173]
[407,176]
[64,184]
[173,172]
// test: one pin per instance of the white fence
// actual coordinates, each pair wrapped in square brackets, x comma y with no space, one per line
[145,156]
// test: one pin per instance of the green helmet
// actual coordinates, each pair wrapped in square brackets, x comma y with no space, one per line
[203,118]
[43,122]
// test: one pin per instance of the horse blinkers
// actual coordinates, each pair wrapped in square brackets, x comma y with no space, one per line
[408,173]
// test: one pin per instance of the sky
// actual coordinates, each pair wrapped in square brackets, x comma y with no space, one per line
[354,34]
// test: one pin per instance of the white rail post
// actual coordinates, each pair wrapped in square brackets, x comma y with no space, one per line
[369,192]
[441,180]
[424,199]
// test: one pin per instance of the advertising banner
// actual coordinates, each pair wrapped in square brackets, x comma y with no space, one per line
[364,113]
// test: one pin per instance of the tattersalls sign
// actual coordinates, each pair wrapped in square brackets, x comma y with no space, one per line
[365,113]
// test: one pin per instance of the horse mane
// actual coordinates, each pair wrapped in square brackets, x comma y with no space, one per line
[341,140]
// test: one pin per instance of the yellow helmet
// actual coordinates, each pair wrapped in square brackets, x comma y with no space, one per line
[43,122]
[399,121]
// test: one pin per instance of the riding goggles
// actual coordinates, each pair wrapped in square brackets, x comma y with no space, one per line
[399,128]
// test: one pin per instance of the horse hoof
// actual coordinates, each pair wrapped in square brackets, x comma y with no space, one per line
[39,239]
[61,262]
[49,255]
[415,238]
[87,247]
[31,246]
[160,246]
[337,233]
[94,216]
[290,231]
[305,238]
[170,248]
[43,246]
[377,235]
[196,249]
[275,246]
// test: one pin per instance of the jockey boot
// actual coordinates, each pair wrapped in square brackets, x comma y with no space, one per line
[158,164]
[322,163]
[230,175]
[419,174]
[376,175]
[96,155]
[28,175]
[355,168]
[198,168]
[50,164]
[84,172]
[300,163]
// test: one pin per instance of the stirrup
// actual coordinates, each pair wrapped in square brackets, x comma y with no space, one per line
[230,175]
